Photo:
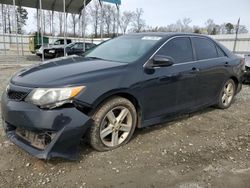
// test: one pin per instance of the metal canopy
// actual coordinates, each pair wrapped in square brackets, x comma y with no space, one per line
[72,6]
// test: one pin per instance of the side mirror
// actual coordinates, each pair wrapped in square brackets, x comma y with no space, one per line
[162,61]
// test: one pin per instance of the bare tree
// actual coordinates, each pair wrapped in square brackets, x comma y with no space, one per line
[139,23]
[108,14]
[9,24]
[83,24]
[48,20]
[60,22]
[3,17]
[74,22]
[186,27]
[95,17]
[114,21]
[126,20]
[210,26]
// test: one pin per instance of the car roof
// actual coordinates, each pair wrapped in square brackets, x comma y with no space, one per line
[81,43]
[167,34]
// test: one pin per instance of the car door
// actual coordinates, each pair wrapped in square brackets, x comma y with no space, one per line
[212,63]
[78,48]
[171,89]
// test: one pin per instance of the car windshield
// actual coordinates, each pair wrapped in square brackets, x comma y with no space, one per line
[125,49]
[70,45]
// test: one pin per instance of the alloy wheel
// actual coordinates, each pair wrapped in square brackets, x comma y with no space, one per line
[228,93]
[116,126]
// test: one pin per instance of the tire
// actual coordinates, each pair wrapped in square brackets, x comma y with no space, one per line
[227,95]
[114,124]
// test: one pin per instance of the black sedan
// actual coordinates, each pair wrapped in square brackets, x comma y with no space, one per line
[129,82]
[75,48]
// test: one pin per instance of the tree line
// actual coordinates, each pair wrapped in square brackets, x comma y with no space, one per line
[106,19]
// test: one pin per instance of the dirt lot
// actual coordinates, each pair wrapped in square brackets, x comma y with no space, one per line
[210,148]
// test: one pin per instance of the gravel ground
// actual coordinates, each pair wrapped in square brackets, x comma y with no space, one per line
[210,148]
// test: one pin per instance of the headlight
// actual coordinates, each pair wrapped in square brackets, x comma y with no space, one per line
[53,97]
[52,51]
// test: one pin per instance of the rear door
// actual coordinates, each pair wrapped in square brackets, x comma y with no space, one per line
[212,64]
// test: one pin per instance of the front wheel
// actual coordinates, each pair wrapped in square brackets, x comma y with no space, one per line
[114,124]
[227,94]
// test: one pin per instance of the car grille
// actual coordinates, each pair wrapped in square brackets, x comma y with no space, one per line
[16,95]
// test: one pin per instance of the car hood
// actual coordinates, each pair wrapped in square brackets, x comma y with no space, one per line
[66,71]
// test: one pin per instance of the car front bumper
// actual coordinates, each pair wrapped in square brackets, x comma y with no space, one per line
[57,132]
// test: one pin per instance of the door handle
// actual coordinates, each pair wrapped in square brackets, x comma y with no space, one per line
[226,64]
[194,69]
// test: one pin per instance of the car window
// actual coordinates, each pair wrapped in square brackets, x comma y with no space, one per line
[89,45]
[61,41]
[220,52]
[78,46]
[125,49]
[204,48]
[57,42]
[70,45]
[180,49]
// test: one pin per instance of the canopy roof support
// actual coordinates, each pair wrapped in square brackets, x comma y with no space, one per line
[3,22]
[72,6]
[41,17]
[15,25]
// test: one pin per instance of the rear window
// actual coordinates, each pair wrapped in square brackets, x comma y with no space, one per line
[221,53]
[204,48]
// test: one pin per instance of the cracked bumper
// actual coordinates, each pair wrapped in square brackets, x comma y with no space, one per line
[67,124]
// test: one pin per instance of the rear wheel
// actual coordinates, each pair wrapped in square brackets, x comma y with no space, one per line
[227,94]
[114,124]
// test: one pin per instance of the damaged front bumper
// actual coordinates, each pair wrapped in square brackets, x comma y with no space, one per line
[44,133]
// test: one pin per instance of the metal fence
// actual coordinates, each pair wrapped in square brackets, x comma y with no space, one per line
[242,43]
[8,42]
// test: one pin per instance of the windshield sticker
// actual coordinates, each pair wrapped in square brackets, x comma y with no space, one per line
[151,38]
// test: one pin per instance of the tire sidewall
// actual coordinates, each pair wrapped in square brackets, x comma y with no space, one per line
[220,102]
[98,117]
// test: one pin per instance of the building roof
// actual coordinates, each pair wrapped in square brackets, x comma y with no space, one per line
[72,6]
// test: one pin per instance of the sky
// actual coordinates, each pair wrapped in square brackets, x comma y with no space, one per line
[164,12]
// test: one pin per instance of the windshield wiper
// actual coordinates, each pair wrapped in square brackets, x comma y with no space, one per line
[97,58]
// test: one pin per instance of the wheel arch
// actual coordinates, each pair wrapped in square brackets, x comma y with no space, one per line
[105,97]
[236,81]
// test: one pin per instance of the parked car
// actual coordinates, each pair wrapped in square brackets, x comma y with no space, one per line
[76,48]
[247,73]
[129,82]
[57,44]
